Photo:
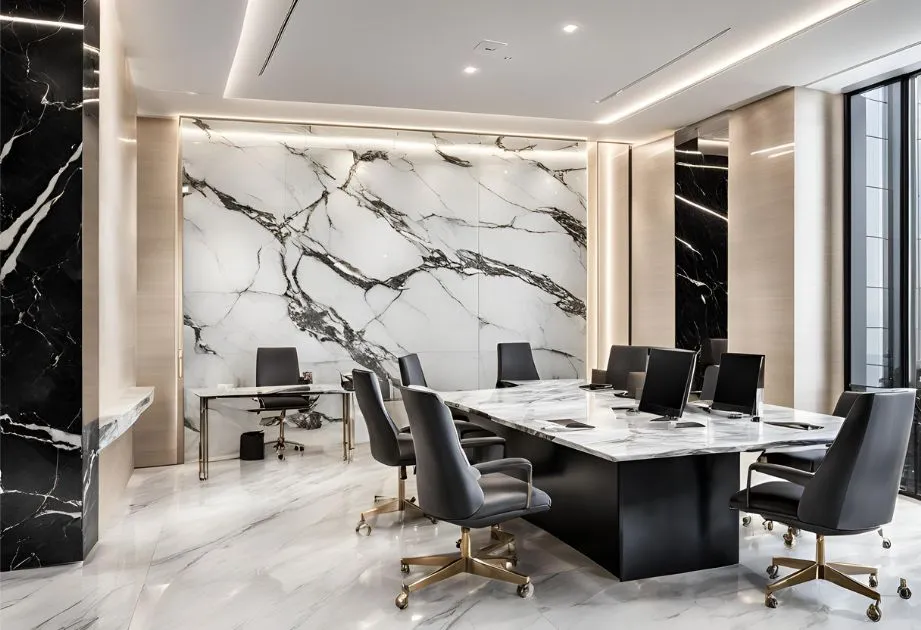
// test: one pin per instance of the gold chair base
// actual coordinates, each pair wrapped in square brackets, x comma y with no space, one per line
[483,562]
[386,505]
[837,573]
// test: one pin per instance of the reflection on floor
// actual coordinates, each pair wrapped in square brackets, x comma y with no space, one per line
[269,544]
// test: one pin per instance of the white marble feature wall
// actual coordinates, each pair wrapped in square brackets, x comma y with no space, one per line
[361,245]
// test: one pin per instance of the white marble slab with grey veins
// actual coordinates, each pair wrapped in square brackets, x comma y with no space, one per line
[618,436]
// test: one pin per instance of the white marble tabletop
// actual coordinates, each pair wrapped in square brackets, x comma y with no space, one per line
[618,436]
[121,414]
[245,392]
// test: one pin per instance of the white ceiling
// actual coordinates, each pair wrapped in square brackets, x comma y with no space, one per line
[399,63]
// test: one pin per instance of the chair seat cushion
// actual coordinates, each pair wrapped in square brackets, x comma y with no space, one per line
[278,403]
[774,498]
[506,497]
[807,459]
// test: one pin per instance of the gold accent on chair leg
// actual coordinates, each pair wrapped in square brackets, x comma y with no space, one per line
[467,561]
[840,579]
[792,563]
[386,505]
[802,576]
[853,569]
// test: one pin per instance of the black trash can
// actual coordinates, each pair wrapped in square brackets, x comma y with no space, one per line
[252,445]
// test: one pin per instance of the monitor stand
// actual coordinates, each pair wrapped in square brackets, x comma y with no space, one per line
[664,419]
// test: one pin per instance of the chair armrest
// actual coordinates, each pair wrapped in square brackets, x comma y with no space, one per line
[793,475]
[599,376]
[519,464]
[465,426]
[476,442]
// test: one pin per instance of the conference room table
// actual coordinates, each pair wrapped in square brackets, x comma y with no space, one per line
[206,395]
[641,498]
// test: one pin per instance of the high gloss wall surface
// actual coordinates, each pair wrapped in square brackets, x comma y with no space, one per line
[41,276]
[358,246]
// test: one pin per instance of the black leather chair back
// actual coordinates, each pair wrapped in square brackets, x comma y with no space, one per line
[516,363]
[711,376]
[446,482]
[857,484]
[845,401]
[411,371]
[382,431]
[711,350]
[625,359]
[276,366]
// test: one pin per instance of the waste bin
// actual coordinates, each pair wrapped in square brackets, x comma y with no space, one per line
[252,445]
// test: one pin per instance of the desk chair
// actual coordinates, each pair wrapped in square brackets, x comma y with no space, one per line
[854,491]
[711,376]
[391,447]
[450,489]
[711,350]
[279,366]
[516,363]
[411,373]
[808,460]
[622,362]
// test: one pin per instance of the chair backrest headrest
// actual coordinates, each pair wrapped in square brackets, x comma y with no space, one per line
[411,371]
[711,376]
[516,362]
[845,401]
[622,360]
[382,431]
[276,366]
[711,350]
[445,481]
[856,486]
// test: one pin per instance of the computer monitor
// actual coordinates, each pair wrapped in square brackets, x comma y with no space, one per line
[668,382]
[737,385]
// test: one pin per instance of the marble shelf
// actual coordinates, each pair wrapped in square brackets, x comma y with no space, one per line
[123,413]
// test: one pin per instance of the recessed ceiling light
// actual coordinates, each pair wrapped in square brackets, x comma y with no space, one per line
[570,28]
[471,70]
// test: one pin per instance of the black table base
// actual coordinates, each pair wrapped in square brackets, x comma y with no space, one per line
[637,519]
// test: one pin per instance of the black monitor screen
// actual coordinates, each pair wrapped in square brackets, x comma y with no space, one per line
[737,383]
[668,382]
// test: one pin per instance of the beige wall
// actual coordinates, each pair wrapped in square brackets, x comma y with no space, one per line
[608,250]
[116,463]
[653,251]
[158,434]
[785,263]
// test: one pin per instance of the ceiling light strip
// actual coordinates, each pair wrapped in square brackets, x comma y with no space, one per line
[702,208]
[665,65]
[51,23]
[278,36]
[782,153]
[711,73]
[771,149]
[713,166]
[688,151]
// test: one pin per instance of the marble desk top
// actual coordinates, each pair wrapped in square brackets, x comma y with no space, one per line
[315,389]
[619,437]
[121,415]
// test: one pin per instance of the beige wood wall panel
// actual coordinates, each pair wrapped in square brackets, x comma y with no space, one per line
[761,245]
[158,434]
[592,314]
[609,250]
[653,247]
[116,463]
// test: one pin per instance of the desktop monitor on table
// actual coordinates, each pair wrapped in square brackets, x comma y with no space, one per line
[740,377]
[668,382]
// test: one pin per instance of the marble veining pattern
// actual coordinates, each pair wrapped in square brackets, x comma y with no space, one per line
[124,412]
[618,436]
[271,545]
[359,246]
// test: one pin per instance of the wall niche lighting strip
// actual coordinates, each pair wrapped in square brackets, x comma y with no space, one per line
[791,30]
[713,166]
[701,208]
[278,36]
[35,22]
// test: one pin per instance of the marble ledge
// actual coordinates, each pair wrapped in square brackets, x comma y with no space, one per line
[121,415]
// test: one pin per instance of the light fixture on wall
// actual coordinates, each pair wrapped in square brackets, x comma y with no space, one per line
[471,70]
[570,28]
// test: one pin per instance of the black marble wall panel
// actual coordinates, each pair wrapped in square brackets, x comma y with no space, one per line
[701,246]
[41,379]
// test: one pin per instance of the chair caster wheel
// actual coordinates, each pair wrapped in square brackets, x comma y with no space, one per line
[363,525]
[511,563]
[789,539]
[525,590]
[281,456]
[904,591]
[773,571]
[874,613]
[457,544]
[402,600]
[874,581]
[770,601]
[746,521]
[887,544]
[412,499]
[769,525]
[404,568]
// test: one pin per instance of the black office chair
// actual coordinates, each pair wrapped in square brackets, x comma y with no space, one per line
[809,460]
[411,373]
[711,350]
[853,491]
[622,361]
[279,366]
[452,490]
[711,376]
[391,447]
[516,363]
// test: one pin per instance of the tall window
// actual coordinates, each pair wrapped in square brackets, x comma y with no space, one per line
[884,244]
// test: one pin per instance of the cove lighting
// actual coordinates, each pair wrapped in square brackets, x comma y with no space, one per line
[688,152]
[772,149]
[788,152]
[51,23]
[570,28]
[732,59]
[701,208]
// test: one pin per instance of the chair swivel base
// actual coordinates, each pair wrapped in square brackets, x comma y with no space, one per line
[837,573]
[482,563]
[387,505]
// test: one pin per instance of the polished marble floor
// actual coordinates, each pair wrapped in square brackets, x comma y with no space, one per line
[271,545]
